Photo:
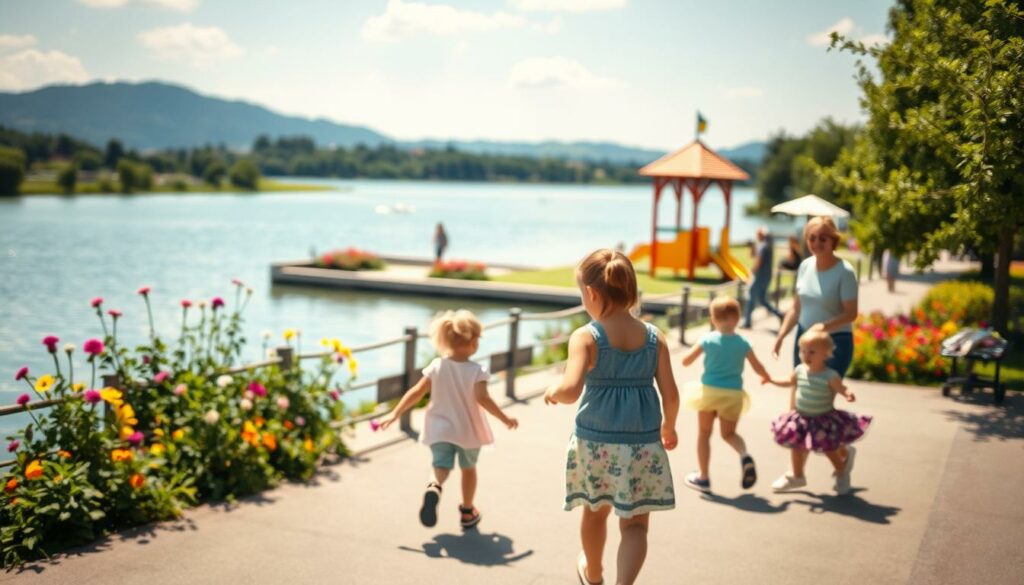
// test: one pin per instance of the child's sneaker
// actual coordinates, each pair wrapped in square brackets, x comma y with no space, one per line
[842,484]
[788,482]
[694,482]
[428,512]
[749,472]
[851,452]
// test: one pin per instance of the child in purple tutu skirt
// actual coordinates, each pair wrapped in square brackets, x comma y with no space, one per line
[813,423]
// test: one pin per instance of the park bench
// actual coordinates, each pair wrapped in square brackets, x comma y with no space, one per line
[974,345]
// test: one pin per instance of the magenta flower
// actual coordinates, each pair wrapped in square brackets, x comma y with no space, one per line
[145,359]
[114,313]
[335,394]
[97,302]
[374,425]
[135,438]
[144,290]
[257,389]
[13,446]
[878,334]
[161,376]
[185,303]
[217,302]
[93,347]
[23,399]
[50,341]
[92,396]
[22,373]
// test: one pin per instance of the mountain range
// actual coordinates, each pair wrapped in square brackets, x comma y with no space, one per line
[156,115]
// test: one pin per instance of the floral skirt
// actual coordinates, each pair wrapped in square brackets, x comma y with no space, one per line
[824,432]
[632,479]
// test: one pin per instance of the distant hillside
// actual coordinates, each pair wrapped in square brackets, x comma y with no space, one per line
[158,115]
[750,151]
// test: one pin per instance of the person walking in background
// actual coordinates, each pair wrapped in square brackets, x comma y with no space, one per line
[891,267]
[454,423]
[794,256]
[762,278]
[616,458]
[719,392]
[440,242]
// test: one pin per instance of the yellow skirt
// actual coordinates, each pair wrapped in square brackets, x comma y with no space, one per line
[728,404]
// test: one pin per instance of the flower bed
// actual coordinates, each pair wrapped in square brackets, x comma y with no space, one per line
[350,259]
[459,269]
[175,431]
[899,349]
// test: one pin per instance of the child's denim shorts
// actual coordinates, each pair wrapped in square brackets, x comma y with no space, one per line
[444,456]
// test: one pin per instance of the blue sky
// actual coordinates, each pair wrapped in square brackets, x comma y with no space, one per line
[627,71]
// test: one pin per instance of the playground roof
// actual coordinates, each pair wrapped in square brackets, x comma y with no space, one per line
[695,161]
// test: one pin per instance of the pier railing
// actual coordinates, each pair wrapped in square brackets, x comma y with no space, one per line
[517,358]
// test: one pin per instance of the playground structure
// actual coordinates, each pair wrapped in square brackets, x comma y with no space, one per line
[695,167]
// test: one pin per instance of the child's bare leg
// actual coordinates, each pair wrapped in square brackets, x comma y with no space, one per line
[593,534]
[632,548]
[705,426]
[728,429]
[798,458]
[837,459]
[441,474]
[468,486]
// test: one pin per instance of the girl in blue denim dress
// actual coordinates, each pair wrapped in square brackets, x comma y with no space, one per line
[617,458]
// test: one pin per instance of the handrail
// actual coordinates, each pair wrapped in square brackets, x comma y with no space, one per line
[553,314]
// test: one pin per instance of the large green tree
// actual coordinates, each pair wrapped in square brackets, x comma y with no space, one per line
[940,162]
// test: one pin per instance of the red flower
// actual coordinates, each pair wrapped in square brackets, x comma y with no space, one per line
[50,341]
[115,313]
[217,302]
[185,303]
[144,290]
[97,302]
[23,400]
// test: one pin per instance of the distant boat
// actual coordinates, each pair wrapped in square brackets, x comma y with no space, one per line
[384,209]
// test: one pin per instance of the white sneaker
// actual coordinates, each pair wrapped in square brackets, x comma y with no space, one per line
[851,452]
[788,482]
[842,484]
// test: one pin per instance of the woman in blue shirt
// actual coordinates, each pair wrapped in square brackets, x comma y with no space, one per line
[826,296]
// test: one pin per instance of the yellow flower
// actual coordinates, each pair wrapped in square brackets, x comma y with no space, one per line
[126,431]
[157,449]
[948,328]
[44,383]
[178,434]
[112,396]
[126,415]
[118,455]
[289,334]
[78,387]
[158,432]
[353,366]
[249,434]
[34,470]
[308,445]
[325,342]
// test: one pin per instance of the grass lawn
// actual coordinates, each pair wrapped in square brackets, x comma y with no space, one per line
[1012,371]
[265,186]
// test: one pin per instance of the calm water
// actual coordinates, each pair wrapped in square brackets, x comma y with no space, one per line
[57,253]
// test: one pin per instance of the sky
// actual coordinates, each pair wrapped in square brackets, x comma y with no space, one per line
[634,72]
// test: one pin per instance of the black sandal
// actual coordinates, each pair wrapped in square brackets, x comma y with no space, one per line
[428,512]
[749,472]
[474,516]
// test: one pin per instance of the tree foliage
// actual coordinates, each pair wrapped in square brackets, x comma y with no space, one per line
[245,174]
[12,170]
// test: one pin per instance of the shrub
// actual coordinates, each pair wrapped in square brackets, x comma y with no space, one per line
[460,269]
[12,170]
[965,303]
[67,178]
[245,174]
[350,259]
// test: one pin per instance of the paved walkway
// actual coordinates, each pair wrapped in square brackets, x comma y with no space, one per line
[935,501]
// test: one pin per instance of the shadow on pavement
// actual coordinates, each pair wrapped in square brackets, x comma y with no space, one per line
[748,503]
[996,422]
[849,505]
[472,547]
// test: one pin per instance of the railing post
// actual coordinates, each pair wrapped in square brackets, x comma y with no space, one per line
[778,287]
[287,355]
[515,314]
[711,299]
[411,335]
[685,315]
[739,293]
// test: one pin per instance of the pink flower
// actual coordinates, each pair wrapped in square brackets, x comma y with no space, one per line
[50,341]
[161,376]
[335,394]
[145,359]
[135,438]
[185,303]
[257,389]
[374,425]
[144,290]
[878,334]
[217,302]
[93,347]
[180,389]
[23,400]
[13,446]
[22,373]
[97,302]
[301,421]
[282,402]
[114,313]
[237,282]
[92,396]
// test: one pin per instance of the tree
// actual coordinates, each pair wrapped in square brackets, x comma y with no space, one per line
[245,174]
[12,170]
[134,176]
[113,154]
[214,173]
[940,163]
[67,178]
[88,160]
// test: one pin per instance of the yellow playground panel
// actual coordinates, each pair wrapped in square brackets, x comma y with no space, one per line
[676,255]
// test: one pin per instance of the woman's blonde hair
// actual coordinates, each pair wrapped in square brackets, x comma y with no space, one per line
[829,227]
[610,274]
[452,329]
[821,338]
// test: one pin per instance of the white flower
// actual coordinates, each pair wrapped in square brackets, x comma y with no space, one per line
[248,394]
[141,382]
[224,381]
[282,402]
[180,389]
[69,347]
[271,353]
[266,334]
[211,417]
[202,304]
[246,404]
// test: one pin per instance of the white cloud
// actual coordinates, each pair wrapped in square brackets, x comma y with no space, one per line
[198,45]
[544,72]
[741,92]
[823,38]
[179,5]
[576,6]
[406,19]
[32,68]
[876,39]
[16,41]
